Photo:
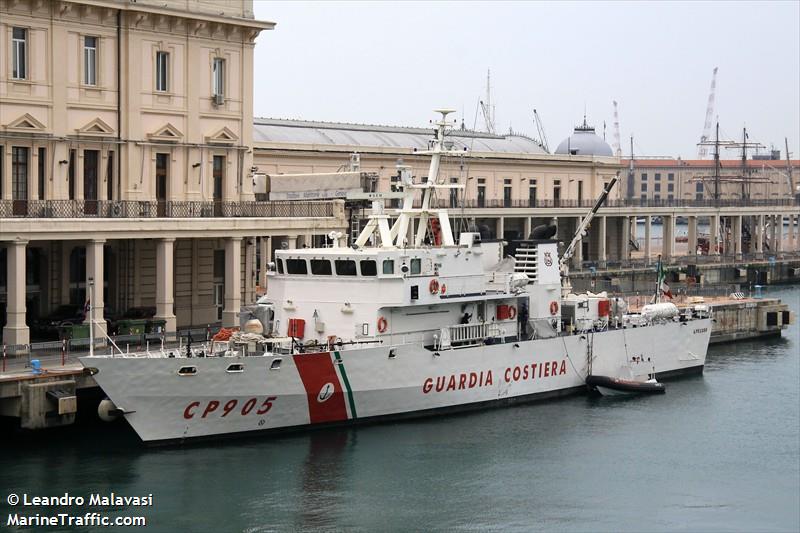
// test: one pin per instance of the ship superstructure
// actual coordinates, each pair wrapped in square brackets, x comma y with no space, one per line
[405,321]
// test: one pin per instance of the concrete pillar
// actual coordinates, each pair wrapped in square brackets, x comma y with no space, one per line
[692,235]
[713,237]
[165,299]
[291,241]
[577,257]
[668,237]
[648,221]
[501,227]
[601,240]
[94,270]
[790,237]
[265,251]
[737,235]
[526,228]
[66,251]
[250,270]
[626,238]
[233,281]
[16,329]
[778,233]
[759,227]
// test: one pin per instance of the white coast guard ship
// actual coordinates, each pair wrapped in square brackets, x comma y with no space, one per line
[405,322]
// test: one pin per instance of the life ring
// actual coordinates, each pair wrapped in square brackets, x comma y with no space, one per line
[512,312]
[382,324]
[553,307]
[433,286]
[444,288]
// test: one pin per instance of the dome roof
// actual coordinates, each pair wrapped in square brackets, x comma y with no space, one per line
[584,141]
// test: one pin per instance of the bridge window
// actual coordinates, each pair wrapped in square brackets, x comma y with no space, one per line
[388,266]
[296,266]
[279,263]
[416,266]
[345,267]
[369,267]
[321,267]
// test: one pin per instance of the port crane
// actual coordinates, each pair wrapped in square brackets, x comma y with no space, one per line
[702,151]
[540,128]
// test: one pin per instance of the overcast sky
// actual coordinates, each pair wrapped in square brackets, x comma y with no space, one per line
[392,63]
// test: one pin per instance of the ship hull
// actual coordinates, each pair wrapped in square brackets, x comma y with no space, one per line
[389,381]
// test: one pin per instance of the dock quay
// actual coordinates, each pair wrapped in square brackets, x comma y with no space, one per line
[41,389]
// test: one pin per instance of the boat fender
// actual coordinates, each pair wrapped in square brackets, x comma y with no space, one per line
[553,307]
[512,312]
[433,287]
[444,288]
[382,324]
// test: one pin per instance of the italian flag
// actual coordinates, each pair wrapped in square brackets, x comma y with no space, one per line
[663,288]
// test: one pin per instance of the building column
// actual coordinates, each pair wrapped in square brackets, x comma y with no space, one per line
[790,237]
[16,329]
[778,233]
[577,257]
[772,233]
[759,234]
[713,235]
[737,235]
[233,281]
[626,238]
[526,228]
[94,271]
[601,240]
[250,270]
[265,251]
[501,227]
[667,236]
[165,299]
[291,241]
[66,252]
[692,235]
[648,221]
[5,172]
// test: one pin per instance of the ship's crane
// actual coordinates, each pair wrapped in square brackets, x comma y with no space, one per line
[617,143]
[540,128]
[702,152]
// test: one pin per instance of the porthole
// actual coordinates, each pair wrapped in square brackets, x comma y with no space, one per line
[235,368]
[276,364]
[187,371]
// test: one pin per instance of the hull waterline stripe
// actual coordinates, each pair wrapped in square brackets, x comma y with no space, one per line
[346,383]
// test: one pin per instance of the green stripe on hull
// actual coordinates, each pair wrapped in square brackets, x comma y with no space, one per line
[346,383]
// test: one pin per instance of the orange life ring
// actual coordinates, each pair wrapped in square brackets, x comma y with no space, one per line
[444,288]
[553,307]
[433,286]
[512,312]
[382,324]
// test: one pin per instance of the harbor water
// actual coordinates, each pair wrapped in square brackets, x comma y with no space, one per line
[717,452]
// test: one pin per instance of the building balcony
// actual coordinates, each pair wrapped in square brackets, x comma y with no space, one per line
[131,209]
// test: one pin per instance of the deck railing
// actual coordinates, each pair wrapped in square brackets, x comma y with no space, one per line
[475,203]
[156,209]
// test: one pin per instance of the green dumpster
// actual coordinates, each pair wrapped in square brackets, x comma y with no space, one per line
[73,331]
[131,326]
[155,326]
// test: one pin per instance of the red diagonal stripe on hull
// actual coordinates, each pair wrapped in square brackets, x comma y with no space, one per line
[318,375]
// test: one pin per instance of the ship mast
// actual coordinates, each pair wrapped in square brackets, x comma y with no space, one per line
[396,235]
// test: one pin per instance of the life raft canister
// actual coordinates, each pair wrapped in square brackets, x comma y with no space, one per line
[553,307]
[444,288]
[382,324]
[433,286]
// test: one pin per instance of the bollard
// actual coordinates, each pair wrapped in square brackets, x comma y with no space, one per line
[208,332]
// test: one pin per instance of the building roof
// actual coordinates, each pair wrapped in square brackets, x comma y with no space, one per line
[304,132]
[709,163]
[584,141]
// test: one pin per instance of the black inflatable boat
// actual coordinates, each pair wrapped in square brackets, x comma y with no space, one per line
[608,386]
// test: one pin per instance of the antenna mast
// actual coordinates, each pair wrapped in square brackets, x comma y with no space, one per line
[702,152]
[617,144]
[487,107]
